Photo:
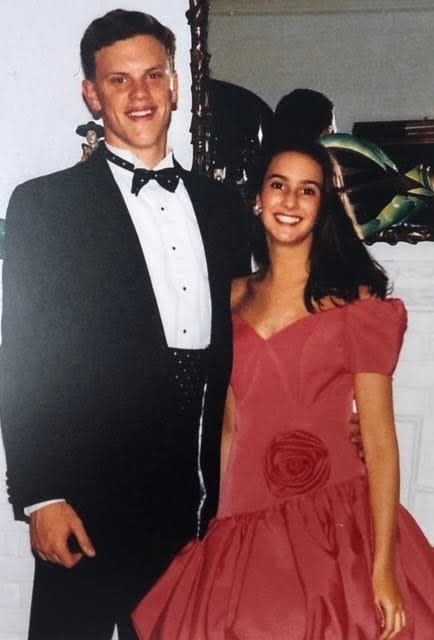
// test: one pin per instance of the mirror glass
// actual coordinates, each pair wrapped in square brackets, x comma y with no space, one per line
[372,62]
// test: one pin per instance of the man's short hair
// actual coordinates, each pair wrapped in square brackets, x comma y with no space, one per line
[305,113]
[120,24]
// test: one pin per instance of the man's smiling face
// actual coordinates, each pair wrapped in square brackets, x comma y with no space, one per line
[135,91]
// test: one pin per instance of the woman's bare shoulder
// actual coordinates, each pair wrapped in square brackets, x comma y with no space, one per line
[239,291]
[364,292]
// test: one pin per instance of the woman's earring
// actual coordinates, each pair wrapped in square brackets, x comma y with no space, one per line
[257,210]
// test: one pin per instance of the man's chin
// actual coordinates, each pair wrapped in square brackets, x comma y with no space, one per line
[137,141]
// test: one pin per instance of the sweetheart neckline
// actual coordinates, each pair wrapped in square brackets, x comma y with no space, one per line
[309,316]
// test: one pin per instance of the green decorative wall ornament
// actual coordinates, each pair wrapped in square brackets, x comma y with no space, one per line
[382,202]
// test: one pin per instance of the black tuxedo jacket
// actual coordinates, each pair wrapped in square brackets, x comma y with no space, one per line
[85,410]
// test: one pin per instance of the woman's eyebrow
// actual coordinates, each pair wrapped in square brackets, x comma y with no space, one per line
[283,177]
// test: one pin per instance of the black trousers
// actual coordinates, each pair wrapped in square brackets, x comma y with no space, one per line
[85,602]
[84,606]
[133,548]
[135,536]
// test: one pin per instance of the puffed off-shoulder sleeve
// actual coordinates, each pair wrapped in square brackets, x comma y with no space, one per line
[374,333]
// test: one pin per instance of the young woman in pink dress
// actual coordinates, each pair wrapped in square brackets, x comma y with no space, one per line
[309,543]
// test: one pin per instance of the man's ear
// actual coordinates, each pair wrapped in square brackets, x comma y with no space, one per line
[91,98]
[174,89]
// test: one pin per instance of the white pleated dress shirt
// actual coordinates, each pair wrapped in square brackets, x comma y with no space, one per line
[172,245]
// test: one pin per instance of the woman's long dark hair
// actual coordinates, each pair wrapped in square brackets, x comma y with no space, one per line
[339,262]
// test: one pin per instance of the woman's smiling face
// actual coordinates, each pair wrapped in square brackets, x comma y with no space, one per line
[291,197]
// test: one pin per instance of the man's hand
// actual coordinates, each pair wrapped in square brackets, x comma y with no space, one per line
[50,529]
[356,436]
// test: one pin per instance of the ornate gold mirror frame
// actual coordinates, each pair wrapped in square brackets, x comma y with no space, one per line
[197,16]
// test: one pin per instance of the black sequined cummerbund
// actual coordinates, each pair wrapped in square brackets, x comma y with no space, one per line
[188,374]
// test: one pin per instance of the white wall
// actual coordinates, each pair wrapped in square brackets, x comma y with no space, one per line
[374,65]
[411,269]
[41,103]
[40,108]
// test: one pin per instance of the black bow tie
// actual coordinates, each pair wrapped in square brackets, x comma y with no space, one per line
[166,178]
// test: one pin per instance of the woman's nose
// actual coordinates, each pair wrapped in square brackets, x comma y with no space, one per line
[290,199]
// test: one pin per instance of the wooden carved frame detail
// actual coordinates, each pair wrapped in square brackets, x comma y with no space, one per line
[197,16]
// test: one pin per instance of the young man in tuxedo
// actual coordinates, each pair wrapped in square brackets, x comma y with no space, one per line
[116,345]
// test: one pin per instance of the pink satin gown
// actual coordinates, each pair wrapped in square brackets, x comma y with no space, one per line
[289,554]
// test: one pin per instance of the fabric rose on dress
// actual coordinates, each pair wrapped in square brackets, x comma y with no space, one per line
[296,462]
